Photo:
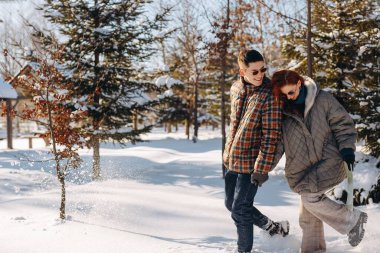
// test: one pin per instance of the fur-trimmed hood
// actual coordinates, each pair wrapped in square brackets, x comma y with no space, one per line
[312,92]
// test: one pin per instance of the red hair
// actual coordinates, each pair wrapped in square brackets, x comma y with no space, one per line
[282,78]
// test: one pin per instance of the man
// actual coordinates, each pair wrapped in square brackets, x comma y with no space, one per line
[255,129]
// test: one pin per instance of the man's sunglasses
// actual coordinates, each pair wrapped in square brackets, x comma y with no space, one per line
[255,72]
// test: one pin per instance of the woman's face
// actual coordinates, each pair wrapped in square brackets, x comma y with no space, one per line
[291,91]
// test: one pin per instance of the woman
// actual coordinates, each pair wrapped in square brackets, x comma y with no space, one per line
[318,136]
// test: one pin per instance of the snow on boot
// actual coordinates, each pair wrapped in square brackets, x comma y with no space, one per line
[356,234]
[278,228]
[284,228]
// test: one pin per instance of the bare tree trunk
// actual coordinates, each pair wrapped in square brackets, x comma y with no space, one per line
[223,109]
[96,158]
[187,128]
[309,54]
[223,87]
[9,124]
[95,138]
[62,209]
[169,127]
[223,115]
[60,173]
[195,112]
[135,121]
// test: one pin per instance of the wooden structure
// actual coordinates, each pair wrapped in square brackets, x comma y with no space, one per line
[19,100]
[8,93]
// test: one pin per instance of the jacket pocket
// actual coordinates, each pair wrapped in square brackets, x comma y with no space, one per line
[313,180]
[330,148]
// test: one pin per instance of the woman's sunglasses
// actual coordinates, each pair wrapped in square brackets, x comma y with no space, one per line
[255,72]
[291,93]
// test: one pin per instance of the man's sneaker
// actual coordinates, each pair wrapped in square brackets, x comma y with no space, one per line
[278,228]
[356,234]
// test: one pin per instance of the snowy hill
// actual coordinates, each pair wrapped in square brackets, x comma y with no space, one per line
[161,196]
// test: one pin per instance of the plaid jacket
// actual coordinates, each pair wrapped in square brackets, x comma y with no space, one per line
[255,128]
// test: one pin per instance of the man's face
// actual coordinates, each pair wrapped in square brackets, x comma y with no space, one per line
[254,73]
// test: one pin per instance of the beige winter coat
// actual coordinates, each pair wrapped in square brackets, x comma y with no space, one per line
[311,144]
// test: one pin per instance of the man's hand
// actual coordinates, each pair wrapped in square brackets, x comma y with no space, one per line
[258,179]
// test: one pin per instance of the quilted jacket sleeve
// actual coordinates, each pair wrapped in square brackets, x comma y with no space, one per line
[280,150]
[271,130]
[341,124]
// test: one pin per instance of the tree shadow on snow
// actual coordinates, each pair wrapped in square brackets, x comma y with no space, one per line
[180,145]
[176,171]
[146,171]
[212,242]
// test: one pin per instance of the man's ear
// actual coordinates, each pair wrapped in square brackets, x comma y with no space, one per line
[241,72]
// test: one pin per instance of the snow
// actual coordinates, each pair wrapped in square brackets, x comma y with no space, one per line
[137,97]
[162,196]
[167,81]
[362,49]
[331,90]
[294,64]
[321,74]
[6,90]
[355,116]
[324,45]
[164,67]
[167,93]
[103,30]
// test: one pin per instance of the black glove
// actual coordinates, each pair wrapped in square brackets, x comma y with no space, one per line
[258,179]
[348,155]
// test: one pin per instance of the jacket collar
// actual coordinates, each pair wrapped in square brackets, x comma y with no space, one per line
[312,92]
[265,84]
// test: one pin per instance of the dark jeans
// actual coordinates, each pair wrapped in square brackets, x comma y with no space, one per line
[240,193]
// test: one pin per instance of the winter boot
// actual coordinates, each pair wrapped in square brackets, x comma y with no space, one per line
[356,234]
[277,228]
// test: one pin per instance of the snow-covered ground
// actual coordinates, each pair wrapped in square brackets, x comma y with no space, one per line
[161,196]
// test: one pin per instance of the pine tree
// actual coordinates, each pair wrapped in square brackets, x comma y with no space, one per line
[209,111]
[104,40]
[172,108]
[345,48]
